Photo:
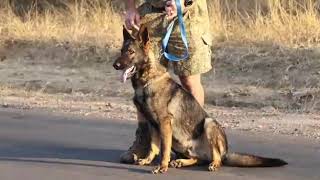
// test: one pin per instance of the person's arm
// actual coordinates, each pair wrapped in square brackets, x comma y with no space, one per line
[130,4]
[132,19]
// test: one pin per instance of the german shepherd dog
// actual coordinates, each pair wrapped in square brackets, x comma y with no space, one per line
[175,118]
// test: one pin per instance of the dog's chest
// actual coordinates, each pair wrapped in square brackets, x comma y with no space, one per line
[142,97]
[145,100]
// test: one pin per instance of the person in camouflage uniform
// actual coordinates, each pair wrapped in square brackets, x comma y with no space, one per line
[189,71]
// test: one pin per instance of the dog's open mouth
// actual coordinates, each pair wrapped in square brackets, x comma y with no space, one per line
[128,73]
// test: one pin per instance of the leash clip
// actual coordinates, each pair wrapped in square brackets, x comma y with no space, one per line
[161,52]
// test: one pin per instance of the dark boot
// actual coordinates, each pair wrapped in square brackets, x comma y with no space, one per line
[140,146]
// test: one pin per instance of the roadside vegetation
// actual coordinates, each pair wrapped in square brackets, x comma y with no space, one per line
[286,22]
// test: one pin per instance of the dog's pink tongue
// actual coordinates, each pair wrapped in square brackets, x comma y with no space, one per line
[124,76]
[127,73]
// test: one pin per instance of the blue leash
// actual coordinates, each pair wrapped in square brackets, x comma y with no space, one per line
[165,41]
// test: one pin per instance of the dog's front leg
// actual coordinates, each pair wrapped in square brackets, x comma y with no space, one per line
[154,149]
[166,143]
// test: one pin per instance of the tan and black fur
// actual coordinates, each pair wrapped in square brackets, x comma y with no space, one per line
[176,119]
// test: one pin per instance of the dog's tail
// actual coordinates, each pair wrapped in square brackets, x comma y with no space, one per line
[246,160]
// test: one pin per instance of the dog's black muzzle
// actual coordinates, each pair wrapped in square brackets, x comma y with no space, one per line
[117,66]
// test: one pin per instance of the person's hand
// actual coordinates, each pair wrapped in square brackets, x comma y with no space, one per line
[171,8]
[132,19]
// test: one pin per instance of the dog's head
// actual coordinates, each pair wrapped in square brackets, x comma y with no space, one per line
[133,53]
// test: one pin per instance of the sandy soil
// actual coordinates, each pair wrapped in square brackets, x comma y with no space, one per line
[254,87]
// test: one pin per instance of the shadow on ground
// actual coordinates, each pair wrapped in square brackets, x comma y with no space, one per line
[60,155]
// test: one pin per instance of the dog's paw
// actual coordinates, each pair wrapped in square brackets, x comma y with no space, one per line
[143,162]
[176,164]
[214,166]
[128,158]
[160,169]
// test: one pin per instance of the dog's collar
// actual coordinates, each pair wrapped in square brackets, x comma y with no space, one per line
[155,80]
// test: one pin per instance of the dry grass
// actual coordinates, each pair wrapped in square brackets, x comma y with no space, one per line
[286,22]
[81,21]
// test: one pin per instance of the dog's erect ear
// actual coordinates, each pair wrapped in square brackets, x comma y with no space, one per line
[126,34]
[144,36]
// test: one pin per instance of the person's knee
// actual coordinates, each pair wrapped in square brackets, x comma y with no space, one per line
[194,86]
[191,82]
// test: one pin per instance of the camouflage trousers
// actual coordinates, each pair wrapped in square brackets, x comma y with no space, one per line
[198,35]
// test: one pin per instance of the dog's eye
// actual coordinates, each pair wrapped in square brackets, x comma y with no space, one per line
[131,51]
